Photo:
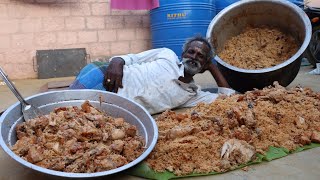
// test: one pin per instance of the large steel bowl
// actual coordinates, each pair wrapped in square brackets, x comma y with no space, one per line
[281,14]
[111,103]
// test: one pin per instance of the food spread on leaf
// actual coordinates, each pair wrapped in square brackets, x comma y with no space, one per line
[229,132]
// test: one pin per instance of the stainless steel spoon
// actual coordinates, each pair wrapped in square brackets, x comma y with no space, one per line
[29,111]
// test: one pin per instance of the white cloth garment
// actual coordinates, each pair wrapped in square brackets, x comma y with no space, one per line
[316,71]
[150,78]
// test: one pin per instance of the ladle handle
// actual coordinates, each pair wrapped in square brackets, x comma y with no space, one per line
[12,88]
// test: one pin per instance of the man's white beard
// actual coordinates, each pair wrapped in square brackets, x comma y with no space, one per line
[192,67]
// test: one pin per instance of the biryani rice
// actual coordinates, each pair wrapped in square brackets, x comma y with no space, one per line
[191,142]
[258,48]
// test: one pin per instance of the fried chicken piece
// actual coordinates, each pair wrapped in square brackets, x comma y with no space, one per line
[94,117]
[131,131]
[117,145]
[54,146]
[315,137]
[118,122]
[181,116]
[35,154]
[178,132]
[132,148]
[58,164]
[301,123]
[90,133]
[23,145]
[21,131]
[118,160]
[243,133]
[117,134]
[86,107]
[276,96]
[237,151]
[38,123]
[302,139]
[249,119]
[105,164]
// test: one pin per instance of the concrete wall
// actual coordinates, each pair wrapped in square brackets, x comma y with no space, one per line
[30,25]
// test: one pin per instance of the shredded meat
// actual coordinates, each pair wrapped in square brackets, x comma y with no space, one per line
[198,140]
[258,48]
[77,140]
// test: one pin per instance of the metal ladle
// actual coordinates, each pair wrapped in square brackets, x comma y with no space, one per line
[29,111]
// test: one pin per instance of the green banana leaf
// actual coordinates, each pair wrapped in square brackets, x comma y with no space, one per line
[143,170]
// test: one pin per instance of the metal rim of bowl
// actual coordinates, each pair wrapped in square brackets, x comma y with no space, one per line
[77,175]
[273,68]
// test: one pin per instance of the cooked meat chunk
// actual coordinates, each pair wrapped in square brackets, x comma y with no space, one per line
[117,145]
[315,137]
[117,134]
[178,132]
[35,154]
[118,121]
[131,131]
[237,151]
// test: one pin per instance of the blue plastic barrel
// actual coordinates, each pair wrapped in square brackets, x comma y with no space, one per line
[297,2]
[177,20]
[221,4]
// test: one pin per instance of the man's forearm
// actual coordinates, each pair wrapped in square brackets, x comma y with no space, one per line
[217,75]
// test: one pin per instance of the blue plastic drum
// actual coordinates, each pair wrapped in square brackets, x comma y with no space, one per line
[221,4]
[297,2]
[175,21]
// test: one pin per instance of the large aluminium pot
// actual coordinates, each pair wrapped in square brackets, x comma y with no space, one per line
[281,14]
[113,104]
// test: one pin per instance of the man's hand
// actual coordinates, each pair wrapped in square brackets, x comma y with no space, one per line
[114,74]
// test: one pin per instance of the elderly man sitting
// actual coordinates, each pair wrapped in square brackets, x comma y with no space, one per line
[156,78]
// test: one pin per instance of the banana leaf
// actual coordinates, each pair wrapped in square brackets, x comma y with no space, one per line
[143,170]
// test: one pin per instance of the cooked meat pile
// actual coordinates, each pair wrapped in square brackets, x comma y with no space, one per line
[77,140]
[258,48]
[220,136]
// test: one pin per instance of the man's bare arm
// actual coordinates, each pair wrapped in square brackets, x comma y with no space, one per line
[217,75]
[113,75]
